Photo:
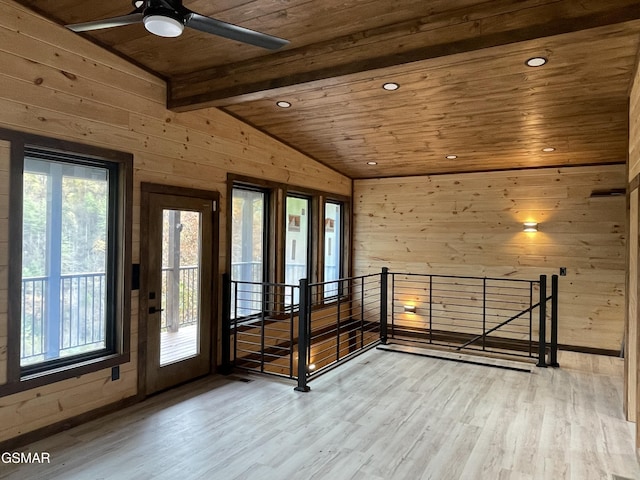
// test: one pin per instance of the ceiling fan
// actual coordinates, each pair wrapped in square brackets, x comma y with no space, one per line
[167,18]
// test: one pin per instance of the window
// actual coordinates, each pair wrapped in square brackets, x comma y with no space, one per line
[297,243]
[332,247]
[248,221]
[282,234]
[69,308]
[66,253]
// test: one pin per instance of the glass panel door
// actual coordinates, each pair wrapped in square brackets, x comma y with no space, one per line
[180,324]
[177,293]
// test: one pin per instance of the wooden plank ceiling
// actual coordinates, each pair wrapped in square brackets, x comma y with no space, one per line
[464,87]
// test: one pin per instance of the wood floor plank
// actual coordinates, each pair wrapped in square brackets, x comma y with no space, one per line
[384,415]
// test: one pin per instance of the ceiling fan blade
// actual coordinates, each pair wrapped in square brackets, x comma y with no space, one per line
[106,23]
[233,32]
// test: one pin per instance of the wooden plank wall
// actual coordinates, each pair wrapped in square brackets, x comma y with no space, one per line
[55,83]
[631,346]
[4,255]
[632,383]
[472,224]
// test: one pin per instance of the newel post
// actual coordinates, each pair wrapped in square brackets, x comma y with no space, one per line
[384,283]
[303,336]
[553,361]
[542,323]
[225,368]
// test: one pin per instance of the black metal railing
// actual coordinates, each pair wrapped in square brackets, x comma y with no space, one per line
[348,324]
[271,335]
[251,274]
[268,334]
[499,315]
[261,329]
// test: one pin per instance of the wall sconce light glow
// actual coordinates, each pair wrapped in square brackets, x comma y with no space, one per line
[530,227]
[548,149]
[409,309]
[372,163]
[536,62]
[451,157]
[283,104]
[391,86]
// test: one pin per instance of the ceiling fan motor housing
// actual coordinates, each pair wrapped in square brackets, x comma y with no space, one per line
[162,20]
[168,18]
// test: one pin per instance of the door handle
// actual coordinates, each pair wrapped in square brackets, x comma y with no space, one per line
[153,310]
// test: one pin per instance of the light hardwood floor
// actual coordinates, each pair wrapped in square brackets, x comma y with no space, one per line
[385,415]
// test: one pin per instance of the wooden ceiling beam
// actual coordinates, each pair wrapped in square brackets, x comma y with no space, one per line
[329,62]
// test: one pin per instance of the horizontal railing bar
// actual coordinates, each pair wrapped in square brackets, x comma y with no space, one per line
[395,274]
[345,279]
[477,289]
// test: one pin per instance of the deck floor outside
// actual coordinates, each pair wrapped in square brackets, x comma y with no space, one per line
[384,415]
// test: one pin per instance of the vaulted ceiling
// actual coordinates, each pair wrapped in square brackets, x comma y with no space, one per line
[464,88]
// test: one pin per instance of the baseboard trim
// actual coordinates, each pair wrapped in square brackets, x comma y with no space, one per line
[66,424]
[591,350]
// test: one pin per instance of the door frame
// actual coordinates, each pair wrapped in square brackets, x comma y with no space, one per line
[155,188]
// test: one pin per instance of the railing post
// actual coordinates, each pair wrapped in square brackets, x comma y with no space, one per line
[542,324]
[484,313]
[303,336]
[384,283]
[553,361]
[362,287]
[338,325]
[225,368]
[393,306]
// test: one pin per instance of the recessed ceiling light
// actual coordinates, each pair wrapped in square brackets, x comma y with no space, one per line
[391,86]
[548,149]
[283,104]
[451,157]
[372,163]
[536,61]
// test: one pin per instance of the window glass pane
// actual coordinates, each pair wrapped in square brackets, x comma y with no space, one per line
[297,239]
[181,258]
[247,249]
[64,259]
[332,247]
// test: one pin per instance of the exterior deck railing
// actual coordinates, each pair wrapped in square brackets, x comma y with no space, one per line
[77,326]
[79,322]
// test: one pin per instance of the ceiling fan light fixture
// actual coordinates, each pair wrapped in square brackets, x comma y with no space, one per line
[163,25]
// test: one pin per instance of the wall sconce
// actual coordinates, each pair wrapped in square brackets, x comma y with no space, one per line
[530,227]
[409,309]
